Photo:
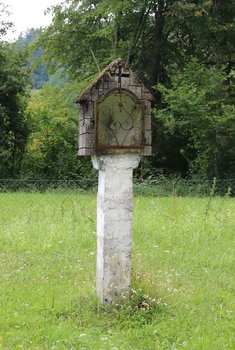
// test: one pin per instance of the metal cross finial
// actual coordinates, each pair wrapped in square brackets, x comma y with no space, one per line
[119,76]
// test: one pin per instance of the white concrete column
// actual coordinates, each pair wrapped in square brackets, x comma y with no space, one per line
[114,224]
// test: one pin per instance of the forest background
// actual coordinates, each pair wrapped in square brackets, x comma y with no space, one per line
[182,50]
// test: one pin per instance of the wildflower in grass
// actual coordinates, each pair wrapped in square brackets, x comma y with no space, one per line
[104,338]
[82,335]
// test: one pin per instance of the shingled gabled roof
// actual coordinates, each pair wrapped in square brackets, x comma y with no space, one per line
[112,67]
[119,78]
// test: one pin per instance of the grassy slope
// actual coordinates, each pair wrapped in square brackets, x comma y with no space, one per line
[183,275]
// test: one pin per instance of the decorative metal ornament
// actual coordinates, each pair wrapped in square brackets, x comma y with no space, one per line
[119,121]
[115,113]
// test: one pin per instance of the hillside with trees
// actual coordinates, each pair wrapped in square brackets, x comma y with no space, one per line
[182,50]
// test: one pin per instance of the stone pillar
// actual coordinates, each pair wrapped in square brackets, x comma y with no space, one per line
[114,224]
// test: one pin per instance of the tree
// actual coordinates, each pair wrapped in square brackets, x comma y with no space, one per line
[150,35]
[5,25]
[13,90]
[52,146]
[155,37]
[13,118]
[199,109]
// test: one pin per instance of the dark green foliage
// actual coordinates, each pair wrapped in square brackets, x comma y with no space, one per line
[13,116]
[159,38]
[185,48]
[52,146]
[199,109]
[148,34]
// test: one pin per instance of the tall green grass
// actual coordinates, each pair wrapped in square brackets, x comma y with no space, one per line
[182,284]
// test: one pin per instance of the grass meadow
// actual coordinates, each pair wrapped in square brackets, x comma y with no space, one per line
[182,280]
